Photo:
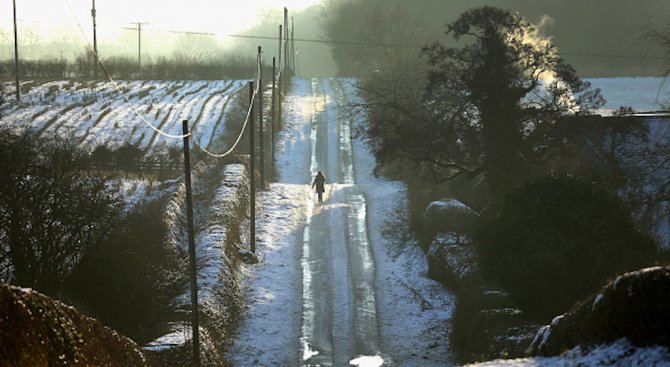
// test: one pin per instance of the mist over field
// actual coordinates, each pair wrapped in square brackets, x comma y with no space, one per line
[335,182]
[598,37]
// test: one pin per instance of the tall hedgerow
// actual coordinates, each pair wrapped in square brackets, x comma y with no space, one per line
[554,241]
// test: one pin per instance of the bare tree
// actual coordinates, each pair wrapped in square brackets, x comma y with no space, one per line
[49,210]
[660,36]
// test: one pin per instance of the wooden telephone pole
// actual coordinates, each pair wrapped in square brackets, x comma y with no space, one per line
[16,55]
[272,107]
[95,43]
[191,249]
[139,45]
[252,172]
[261,142]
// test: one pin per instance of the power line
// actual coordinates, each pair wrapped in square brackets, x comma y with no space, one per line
[378,44]
[159,131]
[399,45]
[353,43]
[188,32]
[139,44]
[239,136]
[115,85]
[612,56]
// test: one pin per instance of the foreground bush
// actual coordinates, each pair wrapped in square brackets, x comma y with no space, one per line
[445,216]
[129,280]
[634,306]
[557,240]
[38,331]
[50,211]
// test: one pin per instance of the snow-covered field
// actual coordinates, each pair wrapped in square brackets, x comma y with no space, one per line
[414,311]
[643,94]
[94,113]
[115,113]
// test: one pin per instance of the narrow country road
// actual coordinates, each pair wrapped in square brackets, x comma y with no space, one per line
[339,322]
[337,284]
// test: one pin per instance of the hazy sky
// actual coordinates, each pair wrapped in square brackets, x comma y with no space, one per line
[220,17]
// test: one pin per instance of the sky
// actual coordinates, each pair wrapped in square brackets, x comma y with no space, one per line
[219,17]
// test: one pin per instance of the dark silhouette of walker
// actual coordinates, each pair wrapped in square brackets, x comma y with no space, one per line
[319,183]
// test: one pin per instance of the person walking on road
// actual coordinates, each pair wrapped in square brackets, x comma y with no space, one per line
[319,182]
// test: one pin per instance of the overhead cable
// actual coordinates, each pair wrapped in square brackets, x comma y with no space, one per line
[116,86]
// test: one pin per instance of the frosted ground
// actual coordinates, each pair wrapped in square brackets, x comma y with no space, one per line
[414,311]
[417,310]
[270,332]
[116,113]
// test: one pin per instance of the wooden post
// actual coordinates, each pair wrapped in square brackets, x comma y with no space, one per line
[261,140]
[272,108]
[139,49]
[280,50]
[285,39]
[292,46]
[191,249]
[252,172]
[16,56]
[279,81]
[95,43]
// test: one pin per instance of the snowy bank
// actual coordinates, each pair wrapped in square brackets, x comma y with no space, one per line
[217,219]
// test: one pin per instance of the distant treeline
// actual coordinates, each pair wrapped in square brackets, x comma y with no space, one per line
[162,68]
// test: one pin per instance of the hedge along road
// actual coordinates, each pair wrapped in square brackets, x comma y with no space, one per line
[339,318]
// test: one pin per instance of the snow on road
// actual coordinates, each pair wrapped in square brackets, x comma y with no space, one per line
[329,288]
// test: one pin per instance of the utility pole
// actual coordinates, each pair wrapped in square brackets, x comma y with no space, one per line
[191,249]
[297,59]
[261,141]
[280,51]
[281,76]
[252,172]
[95,43]
[16,55]
[272,107]
[285,39]
[293,45]
[139,45]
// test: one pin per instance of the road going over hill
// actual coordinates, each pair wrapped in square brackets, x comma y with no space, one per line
[339,320]
[337,285]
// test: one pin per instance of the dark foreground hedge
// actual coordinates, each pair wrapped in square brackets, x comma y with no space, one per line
[38,331]
[634,306]
[558,239]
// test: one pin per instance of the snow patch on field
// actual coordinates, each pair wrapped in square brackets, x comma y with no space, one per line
[643,94]
[101,113]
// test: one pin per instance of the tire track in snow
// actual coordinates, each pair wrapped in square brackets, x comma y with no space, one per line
[339,301]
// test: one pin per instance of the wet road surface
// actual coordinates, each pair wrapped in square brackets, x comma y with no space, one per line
[339,318]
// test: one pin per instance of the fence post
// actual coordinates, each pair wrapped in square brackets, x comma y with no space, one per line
[252,174]
[191,249]
[16,56]
[272,109]
[261,140]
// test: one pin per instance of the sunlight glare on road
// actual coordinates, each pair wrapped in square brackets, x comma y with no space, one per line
[367,361]
[308,352]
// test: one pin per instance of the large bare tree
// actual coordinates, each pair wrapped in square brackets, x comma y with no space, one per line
[50,211]
[487,105]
